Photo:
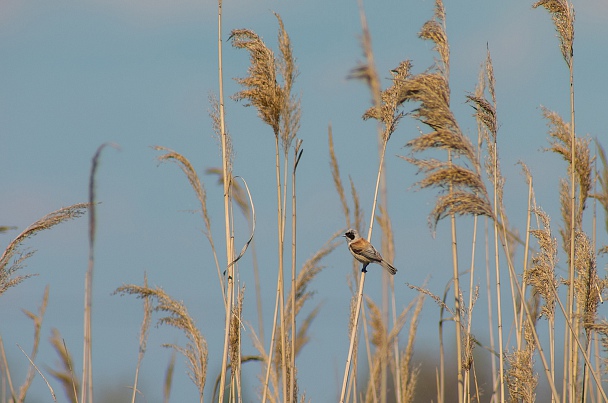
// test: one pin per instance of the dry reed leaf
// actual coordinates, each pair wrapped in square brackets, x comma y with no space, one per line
[168,383]
[65,374]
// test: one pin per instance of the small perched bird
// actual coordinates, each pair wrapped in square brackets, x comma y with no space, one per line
[365,252]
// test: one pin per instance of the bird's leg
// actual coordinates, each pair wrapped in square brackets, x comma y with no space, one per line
[364,269]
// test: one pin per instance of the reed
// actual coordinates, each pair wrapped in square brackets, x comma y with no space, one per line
[468,181]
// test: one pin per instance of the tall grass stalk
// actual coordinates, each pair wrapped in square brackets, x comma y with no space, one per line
[297,155]
[368,73]
[87,345]
[143,338]
[278,108]
[227,176]
[562,13]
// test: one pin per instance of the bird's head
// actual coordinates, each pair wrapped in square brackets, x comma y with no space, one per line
[351,234]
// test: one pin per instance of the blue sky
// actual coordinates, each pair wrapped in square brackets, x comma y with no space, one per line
[138,73]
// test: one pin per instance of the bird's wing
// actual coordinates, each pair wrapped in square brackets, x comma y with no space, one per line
[368,251]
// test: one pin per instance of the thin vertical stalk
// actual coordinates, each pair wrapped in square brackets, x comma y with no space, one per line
[282,274]
[501,368]
[227,184]
[396,344]
[386,280]
[279,299]
[370,363]
[353,335]
[571,348]
[361,284]
[490,317]
[297,155]
[456,300]
[87,355]
[457,309]
[522,300]
[375,89]
[471,292]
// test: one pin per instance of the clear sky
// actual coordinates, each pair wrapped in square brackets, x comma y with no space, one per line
[77,74]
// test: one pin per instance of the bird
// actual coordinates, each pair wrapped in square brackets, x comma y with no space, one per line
[365,252]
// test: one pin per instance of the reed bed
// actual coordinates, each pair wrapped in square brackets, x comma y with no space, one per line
[545,331]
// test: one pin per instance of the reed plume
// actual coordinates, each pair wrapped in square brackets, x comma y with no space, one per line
[195,351]
[521,378]
[13,258]
[562,13]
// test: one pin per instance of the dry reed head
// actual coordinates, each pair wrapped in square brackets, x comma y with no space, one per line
[291,111]
[381,355]
[261,87]
[459,203]
[276,105]
[561,143]
[467,192]
[8,269]
[388,111]
[564,202]
[367,71]
[434,30]
[602,177]
[520,377]
[587,285]
[562,13]
[195,350]
[485,110]
[407,371]
[469,341]
[541,274]
[193,178]
[382,338]
[305,277]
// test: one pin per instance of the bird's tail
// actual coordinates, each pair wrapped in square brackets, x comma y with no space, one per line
[389,267]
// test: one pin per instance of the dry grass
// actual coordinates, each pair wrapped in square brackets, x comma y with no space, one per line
[521,378]
[13,258]
[65,374]
[562,13]
[469,182]
[541,274]
[195,351]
